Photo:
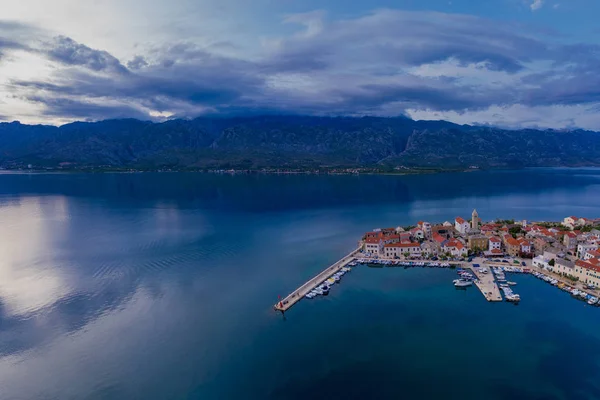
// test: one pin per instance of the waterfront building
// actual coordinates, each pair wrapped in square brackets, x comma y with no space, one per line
[494,243]
[478,241]
[373,245]
[461,225]
[513,247]
[541,262]
[588,271]
[474,219]
[393,250]
[455,247]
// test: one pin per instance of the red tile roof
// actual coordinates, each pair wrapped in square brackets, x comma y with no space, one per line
[372,240]
[591,265]
[454,243]
[438,238]
[403,245]
[594,253]
[460,220]
[511,241]
[495,239]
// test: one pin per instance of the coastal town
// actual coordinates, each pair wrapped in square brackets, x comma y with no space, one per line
[563,253]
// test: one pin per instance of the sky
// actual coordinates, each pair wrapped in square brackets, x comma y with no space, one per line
[509,63]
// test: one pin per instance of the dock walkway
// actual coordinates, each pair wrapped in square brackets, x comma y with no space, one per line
[299,293]
[487,285]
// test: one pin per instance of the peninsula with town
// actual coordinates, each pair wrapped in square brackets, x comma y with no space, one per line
[563,253]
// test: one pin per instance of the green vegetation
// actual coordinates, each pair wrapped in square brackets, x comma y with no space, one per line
[505,221]
[515,230]
[552,263]
[299,143]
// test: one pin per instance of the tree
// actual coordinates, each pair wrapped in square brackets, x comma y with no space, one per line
[406,254]
[552,263]
[515,230]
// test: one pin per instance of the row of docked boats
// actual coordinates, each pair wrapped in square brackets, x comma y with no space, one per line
[577,293]
[504,285]
[324,287]
[403,263]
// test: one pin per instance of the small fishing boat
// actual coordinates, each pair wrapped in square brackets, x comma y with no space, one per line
[511,283]
[592,301]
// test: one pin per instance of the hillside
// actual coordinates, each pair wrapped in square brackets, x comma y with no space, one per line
[290,141]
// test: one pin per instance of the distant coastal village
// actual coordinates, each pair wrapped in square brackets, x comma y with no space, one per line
[563,253]
[568,247]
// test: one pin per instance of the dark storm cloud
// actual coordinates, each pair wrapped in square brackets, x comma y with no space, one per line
[137,62]
[351,66]
[68,52]
[85,111]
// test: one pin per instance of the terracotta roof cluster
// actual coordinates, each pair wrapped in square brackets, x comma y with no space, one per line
[591,264]
[511,241]
[438,238]
[594,254]
[454,243]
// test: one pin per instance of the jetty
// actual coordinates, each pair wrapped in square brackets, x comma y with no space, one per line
[486,283]
[291,299]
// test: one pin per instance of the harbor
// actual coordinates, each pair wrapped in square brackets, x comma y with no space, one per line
[291,299]
[486,283]
[481,252]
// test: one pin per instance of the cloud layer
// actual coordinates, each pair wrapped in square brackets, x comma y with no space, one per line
[388,62]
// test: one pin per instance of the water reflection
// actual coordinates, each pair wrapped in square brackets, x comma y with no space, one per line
[160,285]
[30,276]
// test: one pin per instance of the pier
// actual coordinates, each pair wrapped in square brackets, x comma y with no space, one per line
[299,293]
[487,285]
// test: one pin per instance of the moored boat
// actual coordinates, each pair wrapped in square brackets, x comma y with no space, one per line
[462,283]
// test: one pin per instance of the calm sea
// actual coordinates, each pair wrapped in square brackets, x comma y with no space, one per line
[161,286]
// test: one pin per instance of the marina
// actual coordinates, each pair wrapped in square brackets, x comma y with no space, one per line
[490,279]
[317,283]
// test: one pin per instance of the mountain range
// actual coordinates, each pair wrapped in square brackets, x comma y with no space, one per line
[291,142]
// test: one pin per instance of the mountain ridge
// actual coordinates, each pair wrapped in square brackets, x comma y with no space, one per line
[285,141]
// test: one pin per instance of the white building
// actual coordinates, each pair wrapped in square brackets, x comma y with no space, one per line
[570,221]
[455,247]
[426,227]
[583,248]
[400,249]
[373,246]
[541,262]
[494,243]
[461,225]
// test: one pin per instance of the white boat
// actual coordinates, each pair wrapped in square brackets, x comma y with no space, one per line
[592,301]
[513,297]
[511,283]
[575,292]
[462,283]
